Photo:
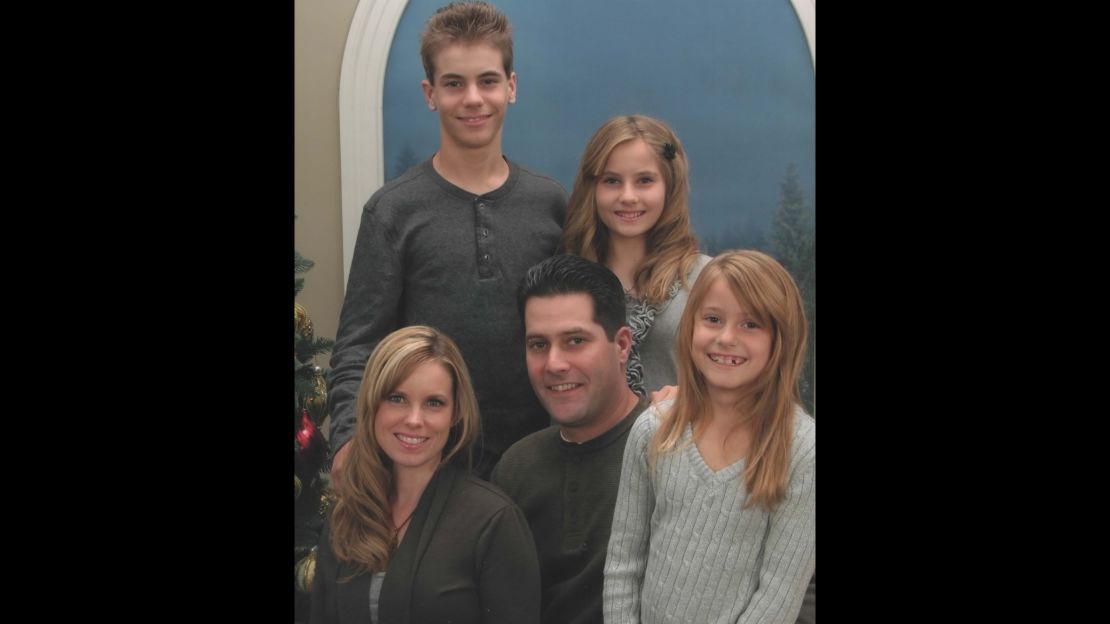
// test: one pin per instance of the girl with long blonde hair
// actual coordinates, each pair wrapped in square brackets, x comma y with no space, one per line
[715,512]
[413,537]
[629,211]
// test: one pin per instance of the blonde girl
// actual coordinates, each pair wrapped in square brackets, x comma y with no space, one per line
[714,518]
[629,211]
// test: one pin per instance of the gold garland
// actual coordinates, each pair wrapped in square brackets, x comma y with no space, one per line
[302,322]
[304,571]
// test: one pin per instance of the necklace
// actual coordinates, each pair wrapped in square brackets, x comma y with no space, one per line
[397,529]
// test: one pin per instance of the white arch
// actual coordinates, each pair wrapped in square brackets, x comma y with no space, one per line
[807,15]
[361,88]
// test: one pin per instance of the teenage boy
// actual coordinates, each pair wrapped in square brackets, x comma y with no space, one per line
[446,243]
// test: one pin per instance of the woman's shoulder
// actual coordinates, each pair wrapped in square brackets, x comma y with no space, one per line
[479,494]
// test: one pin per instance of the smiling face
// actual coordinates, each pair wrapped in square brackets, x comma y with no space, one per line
[575,370]
[631,191]
[471,94]
[414,419]
[730,347]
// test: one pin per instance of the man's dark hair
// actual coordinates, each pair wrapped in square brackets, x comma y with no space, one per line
[568,275]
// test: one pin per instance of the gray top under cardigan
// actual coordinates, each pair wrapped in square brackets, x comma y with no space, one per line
[657,349]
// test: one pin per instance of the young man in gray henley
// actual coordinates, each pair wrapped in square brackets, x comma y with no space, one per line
[446,243]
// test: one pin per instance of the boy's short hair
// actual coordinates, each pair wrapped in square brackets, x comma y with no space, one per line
[466,22]
[572,275]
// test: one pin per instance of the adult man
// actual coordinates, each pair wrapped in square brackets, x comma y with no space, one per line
[565,477]
[446,243]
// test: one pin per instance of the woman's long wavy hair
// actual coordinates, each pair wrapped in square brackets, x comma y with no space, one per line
[362,532]
[672,246]
[767,292]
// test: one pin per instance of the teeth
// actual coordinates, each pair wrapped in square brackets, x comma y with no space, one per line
[726,359]
[563,387]
[409,439]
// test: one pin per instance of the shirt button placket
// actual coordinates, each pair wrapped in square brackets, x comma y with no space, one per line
[482,224]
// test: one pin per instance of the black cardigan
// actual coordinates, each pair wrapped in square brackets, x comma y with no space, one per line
[467,558]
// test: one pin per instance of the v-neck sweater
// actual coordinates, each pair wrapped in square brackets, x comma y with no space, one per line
[683,549]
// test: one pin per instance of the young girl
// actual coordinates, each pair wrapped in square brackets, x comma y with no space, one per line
[629,210]
[714,519]
[413,537]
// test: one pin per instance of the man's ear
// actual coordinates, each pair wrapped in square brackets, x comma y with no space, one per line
[512,88]
[623,341]
[428,89]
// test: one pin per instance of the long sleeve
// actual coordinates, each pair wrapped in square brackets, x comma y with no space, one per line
[509,575]
[789,558]
[685,549]
[370,312]
[627,554]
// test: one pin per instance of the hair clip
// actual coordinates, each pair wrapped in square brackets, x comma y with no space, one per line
[668,151]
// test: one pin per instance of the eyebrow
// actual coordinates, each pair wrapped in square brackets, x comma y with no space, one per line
[486,74]
[637,173]
[744,314]
[567,332]
[714,308]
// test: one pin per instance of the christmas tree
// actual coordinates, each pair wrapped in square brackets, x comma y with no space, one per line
[311,492]
[794,237]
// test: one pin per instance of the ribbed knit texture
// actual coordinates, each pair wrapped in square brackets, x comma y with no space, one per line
[682,549]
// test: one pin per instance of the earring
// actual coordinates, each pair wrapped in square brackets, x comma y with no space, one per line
[432,106]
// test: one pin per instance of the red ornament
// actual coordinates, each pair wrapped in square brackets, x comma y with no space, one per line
[312,449]
[308,431]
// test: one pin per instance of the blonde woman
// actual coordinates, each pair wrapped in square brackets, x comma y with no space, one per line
[715,511]
[629,211]
[413,538]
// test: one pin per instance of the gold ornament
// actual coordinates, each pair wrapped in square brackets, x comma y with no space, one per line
[318,405]
[303,324]
[305,572]
[327,499]
[317,409]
